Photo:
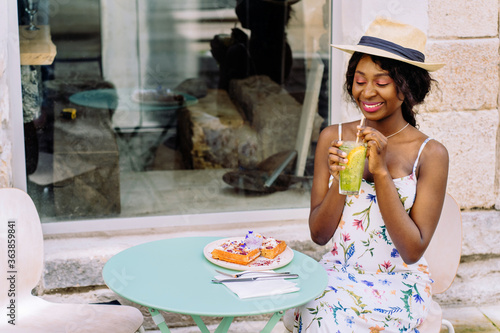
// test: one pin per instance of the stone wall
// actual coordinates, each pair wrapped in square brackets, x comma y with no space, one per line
[463,114]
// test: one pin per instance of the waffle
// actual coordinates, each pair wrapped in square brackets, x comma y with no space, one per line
[271,247]
[236,252]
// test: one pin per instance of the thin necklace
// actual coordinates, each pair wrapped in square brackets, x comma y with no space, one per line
[401,130]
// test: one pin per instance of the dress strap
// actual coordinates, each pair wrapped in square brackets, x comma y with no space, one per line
[420,152]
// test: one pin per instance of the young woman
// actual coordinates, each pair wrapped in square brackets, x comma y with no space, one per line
[378,278]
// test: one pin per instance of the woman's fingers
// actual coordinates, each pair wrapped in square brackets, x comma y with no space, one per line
[335,157]
[375,145]
[336,143]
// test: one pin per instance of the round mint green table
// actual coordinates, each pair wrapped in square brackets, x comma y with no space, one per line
[173,275]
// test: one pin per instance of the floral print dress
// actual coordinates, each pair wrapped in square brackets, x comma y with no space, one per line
[370,288]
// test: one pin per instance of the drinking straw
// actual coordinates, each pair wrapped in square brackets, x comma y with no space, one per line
[361,123]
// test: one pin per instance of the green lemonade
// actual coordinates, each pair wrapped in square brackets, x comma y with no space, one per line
[352,175]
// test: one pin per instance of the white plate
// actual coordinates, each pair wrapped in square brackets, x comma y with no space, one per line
[259,264]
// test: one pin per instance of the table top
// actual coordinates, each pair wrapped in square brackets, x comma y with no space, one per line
[130,115]
[36,46]
[173,275]
[110,99]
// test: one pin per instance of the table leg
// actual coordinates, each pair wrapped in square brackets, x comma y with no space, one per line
[222,328]
[224,325]
[159,320]
[272,322]
[201,325]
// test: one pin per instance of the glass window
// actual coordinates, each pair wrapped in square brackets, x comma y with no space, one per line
[153,108]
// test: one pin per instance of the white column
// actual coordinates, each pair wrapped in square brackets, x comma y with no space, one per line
[12,161]
[123,42]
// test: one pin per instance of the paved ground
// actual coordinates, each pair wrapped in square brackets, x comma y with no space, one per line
[484,319]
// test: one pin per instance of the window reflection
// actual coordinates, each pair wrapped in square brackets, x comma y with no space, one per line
[176,107]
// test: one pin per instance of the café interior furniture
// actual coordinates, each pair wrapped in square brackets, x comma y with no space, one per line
[36,47]
[22,259]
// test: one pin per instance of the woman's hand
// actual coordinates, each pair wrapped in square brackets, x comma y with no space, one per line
[336,156]
[377,149]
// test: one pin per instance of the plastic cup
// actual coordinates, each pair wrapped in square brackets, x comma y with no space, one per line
[352,175]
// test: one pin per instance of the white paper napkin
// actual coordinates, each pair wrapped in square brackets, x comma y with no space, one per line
[258,288]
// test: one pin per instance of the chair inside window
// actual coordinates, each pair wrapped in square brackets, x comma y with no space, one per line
[443,256]
[21,258]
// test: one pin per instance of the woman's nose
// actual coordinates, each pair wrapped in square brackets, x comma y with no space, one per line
[369,91]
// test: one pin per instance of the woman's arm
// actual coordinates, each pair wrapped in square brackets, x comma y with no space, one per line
[326,203]
[411,233]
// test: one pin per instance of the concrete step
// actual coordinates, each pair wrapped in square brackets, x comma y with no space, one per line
[484,319]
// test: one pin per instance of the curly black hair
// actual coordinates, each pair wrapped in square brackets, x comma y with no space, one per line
[412,81]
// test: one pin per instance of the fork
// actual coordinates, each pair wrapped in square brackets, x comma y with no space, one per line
[248,272]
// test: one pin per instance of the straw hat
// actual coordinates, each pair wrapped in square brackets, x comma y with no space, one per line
[394,40]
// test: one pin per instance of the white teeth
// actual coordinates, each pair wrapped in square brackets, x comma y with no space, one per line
[372,106]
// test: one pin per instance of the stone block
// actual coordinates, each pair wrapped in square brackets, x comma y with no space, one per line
[469,80]
[85,160]
[476,283]
[78,271]
[272,112]
[478,274]
[85,164]
[257,119]
[497,181]
[463,18]
[213,134]
[470,138]
[95,192]
[481,232]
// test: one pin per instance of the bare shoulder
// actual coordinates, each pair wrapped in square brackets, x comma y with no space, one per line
[349,131]
[436,149]
[330,130]
[328,134]
[435,155]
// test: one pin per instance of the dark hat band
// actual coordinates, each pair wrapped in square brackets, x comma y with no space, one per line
[385,45]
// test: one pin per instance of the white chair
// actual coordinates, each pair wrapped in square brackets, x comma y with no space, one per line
[21,258]
[443,256]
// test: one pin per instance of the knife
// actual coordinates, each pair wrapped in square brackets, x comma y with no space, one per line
[255,278]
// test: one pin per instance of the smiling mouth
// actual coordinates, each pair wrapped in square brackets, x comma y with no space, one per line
[372,106]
